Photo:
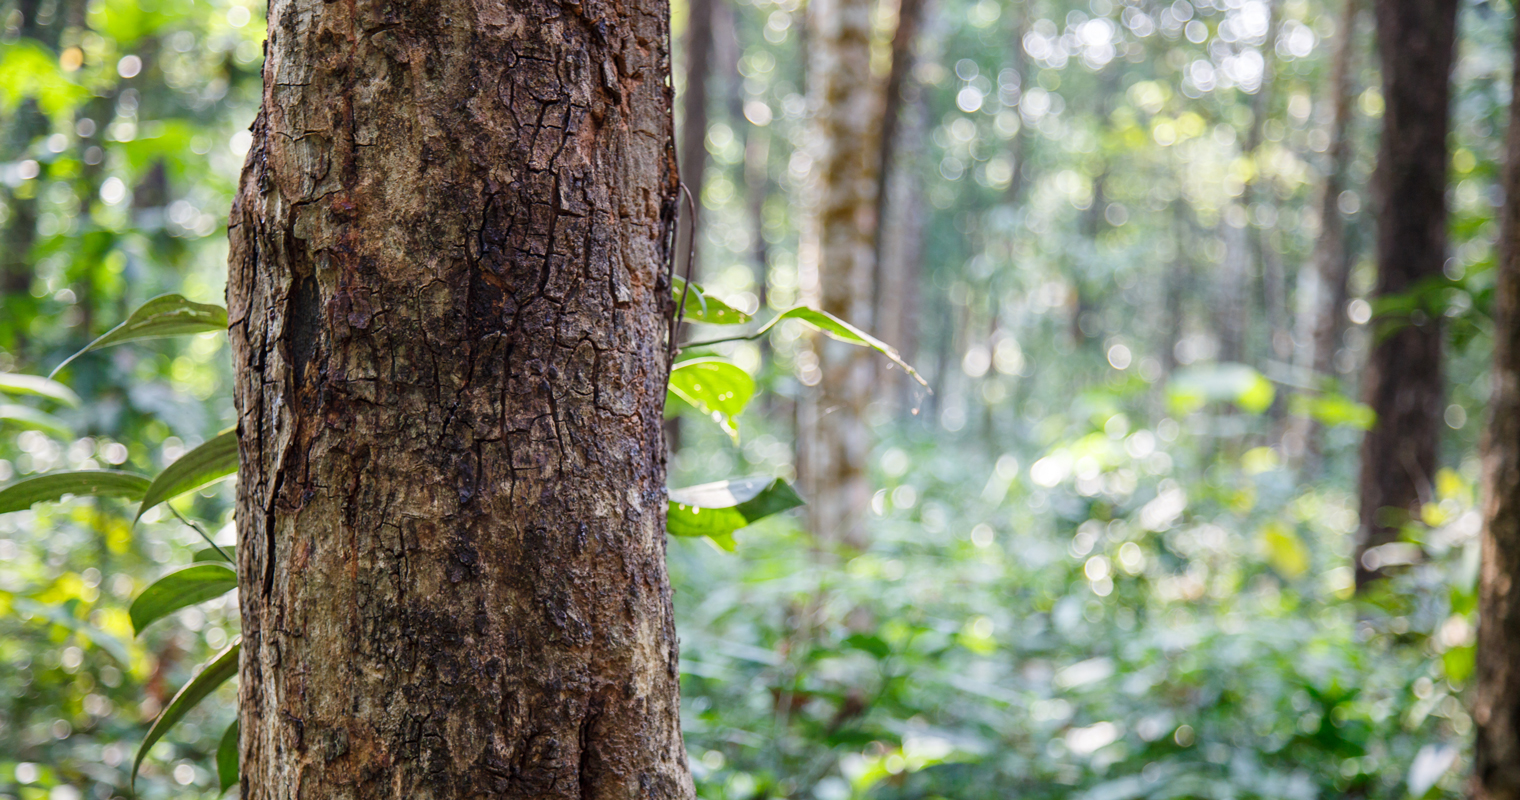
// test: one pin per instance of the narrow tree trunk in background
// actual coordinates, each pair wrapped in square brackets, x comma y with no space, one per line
[1322,292]
[1019,148]
[1267,265]
[1178,280]
[698,44]
[838,265]
[1402,381]
[1496,756]
[901,250]
[910,14]
[448,319]
[898,192]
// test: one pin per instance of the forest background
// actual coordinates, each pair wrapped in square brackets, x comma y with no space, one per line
[1109,555]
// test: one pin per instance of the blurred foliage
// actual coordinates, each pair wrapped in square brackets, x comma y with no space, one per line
[1099,568]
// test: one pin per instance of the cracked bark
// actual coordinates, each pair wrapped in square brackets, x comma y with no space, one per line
[447,296]
[1496,749]
[1402,380]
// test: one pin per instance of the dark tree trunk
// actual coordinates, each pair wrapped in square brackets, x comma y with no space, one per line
[698,44]
[898,199]
[1402,381]
[910,14]
[1496,757]
[448,318]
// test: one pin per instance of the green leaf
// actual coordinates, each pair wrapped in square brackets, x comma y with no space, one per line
[714,387]
[845,332]
[215,673]
[16,383]
[165,315]
[211,554]
[716,510]
[700,307]
[212,461]
[1193,388]
[179,590]
[85,482]
[227,757]
[1333,410]
[28,417]
[875,645]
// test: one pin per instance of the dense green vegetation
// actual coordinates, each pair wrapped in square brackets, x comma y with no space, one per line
[1099,567]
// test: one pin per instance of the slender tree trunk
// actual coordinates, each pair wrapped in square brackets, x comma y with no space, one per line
[1019,148]
[1402,381]
[1496,767]
[1267,265]
[698,44]
[898,194]
[847,107]
[1178,280]
[895,93]
[901,251]
[449,322]
[1322,290]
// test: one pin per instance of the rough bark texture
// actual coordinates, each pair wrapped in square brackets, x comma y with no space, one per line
[447,296]
[1496,767]
[847,107]
[1322,292]
[1402,382]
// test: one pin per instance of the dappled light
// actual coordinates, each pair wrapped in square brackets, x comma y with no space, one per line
[1089,399]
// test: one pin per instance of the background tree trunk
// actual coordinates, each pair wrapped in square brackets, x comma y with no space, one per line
[1496,756]
[447,303]
[847,107]
[698,44]
[899,204]
[1402,381]
[1322,292]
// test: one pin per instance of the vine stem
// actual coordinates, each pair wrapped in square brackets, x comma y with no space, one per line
[199,530]
[691,259]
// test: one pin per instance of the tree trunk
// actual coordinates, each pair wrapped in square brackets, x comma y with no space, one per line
[1402,381]
[448,312]
[847,107]
[895,99]
[698,44]
[898,200]
[1496,767]
[1322,290]
[900,258]
[1267,265]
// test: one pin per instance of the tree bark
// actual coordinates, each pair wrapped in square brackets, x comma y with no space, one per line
[847,107]
[1496,756]
[1402,381]
[1323,289]
[448,308]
